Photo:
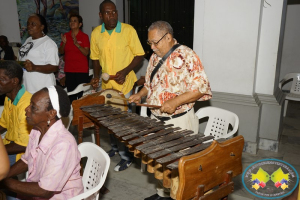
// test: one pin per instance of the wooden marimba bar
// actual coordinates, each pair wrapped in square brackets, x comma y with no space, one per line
[160,146]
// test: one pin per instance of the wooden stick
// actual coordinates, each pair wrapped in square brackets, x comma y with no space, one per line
[138,104]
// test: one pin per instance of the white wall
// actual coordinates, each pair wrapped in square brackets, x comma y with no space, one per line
[226,35]
[9,21]
[291,44]
[268,47]
[90,14]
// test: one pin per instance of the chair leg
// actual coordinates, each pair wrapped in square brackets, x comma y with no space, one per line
[285,107]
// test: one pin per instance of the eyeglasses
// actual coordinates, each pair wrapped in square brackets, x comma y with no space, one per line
[156,43]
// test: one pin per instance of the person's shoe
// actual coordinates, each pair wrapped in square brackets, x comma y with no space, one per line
[112,152]
[157,197]
[122,165]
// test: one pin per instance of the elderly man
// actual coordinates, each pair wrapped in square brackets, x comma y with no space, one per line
[13,117]
[175,79]
[116,50]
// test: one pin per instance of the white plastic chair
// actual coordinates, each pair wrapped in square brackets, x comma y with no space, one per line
[95,171]
[80,88]
[218,122]
[294,93]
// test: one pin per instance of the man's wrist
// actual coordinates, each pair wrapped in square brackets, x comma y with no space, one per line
[79,47]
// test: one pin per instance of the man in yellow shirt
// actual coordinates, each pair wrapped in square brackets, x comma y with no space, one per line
[116,50]
[13,117]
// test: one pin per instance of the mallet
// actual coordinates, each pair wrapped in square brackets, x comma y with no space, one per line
[104,76]
[109,96]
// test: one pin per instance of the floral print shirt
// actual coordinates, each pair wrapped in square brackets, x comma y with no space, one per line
[181,72]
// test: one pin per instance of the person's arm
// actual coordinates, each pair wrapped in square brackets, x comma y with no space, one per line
[84,50]
[97,69]
[4,162]
[2,130]
[136,98]
[121,75]
[14,148]
[46,69]
[187,97]
[31,189]
[61,49]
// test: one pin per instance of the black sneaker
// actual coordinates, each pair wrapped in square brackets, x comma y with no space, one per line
[122,165]
[112,152]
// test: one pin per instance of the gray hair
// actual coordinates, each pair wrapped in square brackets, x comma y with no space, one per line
[161,26]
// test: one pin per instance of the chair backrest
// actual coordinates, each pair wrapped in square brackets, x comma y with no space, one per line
[95,171]
[80,88]
[218,121]
[295,88]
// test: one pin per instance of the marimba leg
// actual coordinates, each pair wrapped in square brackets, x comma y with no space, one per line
[97,134]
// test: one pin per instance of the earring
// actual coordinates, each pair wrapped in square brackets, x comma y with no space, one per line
[48,122]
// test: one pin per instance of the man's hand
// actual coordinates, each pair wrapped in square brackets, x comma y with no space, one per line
[169,106]
[121,76]
[95,83]
[136,98]
[29,66]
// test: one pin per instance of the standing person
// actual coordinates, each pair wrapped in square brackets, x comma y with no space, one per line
[13,118]
[76,46]
[177,84]
[52,158]
[116,50]
[6,51]
[40,55]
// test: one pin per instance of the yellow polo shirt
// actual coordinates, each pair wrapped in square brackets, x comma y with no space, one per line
[115,52]
[14,120]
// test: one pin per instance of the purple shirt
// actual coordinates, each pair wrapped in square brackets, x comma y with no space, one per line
[54,163]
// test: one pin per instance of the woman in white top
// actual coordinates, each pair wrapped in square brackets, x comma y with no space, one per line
[40,54]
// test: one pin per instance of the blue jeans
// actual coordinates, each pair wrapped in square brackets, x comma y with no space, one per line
[120,146]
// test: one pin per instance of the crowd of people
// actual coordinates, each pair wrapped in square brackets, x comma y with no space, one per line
[36,140]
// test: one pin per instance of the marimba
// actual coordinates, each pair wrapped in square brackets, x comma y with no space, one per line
[183,161]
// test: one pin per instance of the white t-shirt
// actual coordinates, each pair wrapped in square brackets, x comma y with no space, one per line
[40,51]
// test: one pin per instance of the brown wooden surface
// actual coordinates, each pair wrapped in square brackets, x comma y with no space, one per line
[85,101]
[209,167]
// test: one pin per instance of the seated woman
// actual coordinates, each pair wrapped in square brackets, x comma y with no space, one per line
[52,157]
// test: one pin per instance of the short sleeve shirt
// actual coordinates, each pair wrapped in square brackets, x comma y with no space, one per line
[41,51]
[54,163]
[75,61]
[14,120]
[115,52]
[181,72]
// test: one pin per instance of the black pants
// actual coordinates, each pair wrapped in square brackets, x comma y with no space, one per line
[73,80]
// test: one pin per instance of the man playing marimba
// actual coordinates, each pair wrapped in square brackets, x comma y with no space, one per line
[176,84]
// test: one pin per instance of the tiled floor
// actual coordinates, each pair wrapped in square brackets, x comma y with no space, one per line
[132,184]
